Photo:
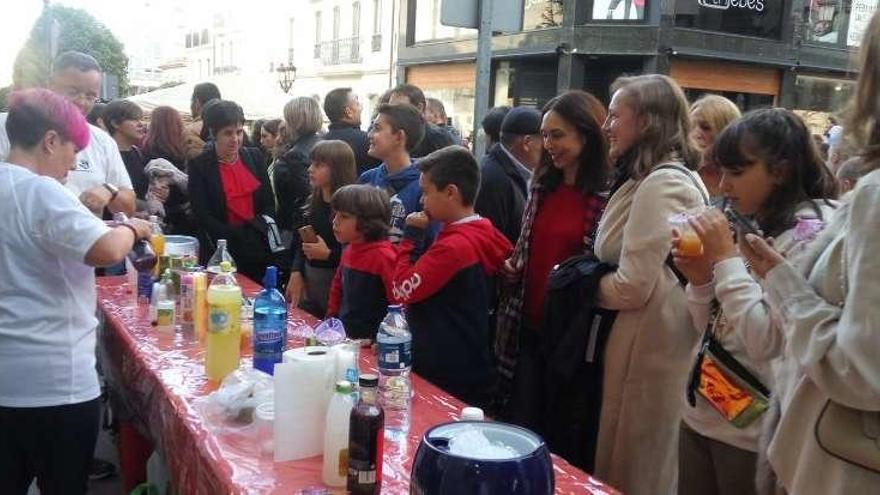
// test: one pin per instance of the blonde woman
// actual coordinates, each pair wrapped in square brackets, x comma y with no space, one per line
[302,121]
[829,391]
[648,353]
[709,116]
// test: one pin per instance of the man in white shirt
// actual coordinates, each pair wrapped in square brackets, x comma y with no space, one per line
[100,179]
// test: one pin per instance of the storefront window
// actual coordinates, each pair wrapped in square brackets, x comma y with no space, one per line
[619,10]
[428,26]
[817,99]
[859,16]
[540,14]
[824,20]
[822,93]
[761,18]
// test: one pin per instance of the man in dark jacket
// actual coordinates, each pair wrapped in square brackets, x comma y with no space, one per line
[507,170]
[344,112]
[435,137]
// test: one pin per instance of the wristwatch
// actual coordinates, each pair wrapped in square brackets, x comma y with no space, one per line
[114,191]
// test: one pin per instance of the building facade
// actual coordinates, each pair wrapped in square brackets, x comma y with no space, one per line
[332,43]
[793,53]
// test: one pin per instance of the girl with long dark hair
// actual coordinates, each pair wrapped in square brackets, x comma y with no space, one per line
[771,173]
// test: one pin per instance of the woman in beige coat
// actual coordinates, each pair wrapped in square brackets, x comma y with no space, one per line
[649,350]
[829,387]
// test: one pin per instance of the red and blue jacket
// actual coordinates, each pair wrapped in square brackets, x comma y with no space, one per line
[361,289]
[447,292]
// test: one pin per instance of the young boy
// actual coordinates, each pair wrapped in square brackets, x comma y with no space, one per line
[447,290]
[396,130]
[361,289]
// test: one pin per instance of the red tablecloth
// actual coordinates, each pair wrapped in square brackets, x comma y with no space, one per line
[162,377]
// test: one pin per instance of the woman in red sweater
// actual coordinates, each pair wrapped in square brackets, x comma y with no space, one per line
[565,203]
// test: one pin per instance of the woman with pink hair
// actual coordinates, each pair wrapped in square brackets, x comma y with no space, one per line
[50,245]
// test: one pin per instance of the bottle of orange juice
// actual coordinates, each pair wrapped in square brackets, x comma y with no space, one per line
[157,241]
[224,325]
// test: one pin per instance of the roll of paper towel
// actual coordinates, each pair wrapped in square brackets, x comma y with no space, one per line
[303,387]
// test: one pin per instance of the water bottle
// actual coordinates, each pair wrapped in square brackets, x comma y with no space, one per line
[219,256]
[270,324]
[395,362]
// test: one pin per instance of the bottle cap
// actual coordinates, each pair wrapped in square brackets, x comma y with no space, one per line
[395,308]
[368,380]
[344,387]
[472,414]
[225,266]
[270,279]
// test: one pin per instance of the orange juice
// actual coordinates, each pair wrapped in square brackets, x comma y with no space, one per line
[224,326]
[690,244]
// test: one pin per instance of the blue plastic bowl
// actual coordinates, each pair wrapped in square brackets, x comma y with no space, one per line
[437,471]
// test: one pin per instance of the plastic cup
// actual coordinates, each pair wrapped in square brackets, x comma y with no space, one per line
[689,242]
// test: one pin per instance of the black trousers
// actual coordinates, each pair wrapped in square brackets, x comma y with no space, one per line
[53,444]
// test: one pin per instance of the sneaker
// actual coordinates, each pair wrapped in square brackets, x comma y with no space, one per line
[101,469]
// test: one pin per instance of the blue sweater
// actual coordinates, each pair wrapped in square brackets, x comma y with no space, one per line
[403,188]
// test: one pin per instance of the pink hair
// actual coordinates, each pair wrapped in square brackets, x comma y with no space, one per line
[50,111]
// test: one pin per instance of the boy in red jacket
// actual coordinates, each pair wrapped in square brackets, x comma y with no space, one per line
[448,289]
[361,289]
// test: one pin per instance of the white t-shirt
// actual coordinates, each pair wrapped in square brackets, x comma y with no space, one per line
[98,163]
[47,292]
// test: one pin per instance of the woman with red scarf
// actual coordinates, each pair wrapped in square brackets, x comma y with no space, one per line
[229,190]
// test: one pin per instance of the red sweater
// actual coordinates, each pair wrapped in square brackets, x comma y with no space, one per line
[563,218]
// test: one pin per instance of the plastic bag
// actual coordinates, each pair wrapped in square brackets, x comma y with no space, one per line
[239,393]
[330,332]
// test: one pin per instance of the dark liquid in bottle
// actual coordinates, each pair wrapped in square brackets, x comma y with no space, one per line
[365,445]
[142,256]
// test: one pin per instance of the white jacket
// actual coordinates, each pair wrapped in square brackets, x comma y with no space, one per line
[828,303]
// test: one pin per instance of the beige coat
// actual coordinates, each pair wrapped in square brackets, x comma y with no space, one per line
[648,355]
[828,304]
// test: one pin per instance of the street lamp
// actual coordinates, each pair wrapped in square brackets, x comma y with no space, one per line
[286,76]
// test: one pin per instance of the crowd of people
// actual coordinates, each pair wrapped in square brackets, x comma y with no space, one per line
[542,281]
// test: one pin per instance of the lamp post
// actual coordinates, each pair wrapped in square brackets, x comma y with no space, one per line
[286,76]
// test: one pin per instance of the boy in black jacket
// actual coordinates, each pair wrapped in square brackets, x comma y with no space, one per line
[361,289]
[448,289]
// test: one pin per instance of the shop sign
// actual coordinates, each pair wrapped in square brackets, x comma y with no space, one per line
[859,17]
[753,5]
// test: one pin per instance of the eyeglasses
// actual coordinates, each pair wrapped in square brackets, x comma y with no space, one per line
[76,95]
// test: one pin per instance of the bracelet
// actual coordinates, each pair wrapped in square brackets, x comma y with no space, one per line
[133,230]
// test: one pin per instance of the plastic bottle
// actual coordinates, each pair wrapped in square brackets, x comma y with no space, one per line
[220,255]
[165,316]
[157,295]
[395,362]
[167,281]
[143,260]
[270,324]
[224,325]
[200,305]
[366,440]
[157,239]
[187,302]
[336,427]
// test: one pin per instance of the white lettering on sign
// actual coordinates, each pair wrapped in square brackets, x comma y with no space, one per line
[756,5]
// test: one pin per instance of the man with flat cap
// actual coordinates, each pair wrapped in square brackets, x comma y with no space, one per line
[507,171]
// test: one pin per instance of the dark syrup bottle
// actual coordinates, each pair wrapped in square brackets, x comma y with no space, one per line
[366,440]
